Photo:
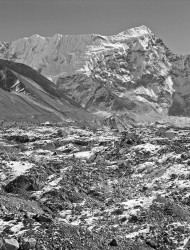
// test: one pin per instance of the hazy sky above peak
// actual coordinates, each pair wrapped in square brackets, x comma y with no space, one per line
[168,19]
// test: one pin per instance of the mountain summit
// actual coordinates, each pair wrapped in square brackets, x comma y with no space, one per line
[66,53]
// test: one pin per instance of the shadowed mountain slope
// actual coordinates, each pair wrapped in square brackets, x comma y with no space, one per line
[26,94]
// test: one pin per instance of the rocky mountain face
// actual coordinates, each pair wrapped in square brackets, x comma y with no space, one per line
[131,74]
[27,95]
[181,80]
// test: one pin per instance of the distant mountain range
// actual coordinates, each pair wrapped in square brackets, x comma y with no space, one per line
[128,76]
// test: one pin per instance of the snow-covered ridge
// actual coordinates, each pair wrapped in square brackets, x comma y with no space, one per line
[131,33]
[65,53]
[133,65]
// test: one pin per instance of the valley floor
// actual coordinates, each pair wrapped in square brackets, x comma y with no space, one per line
[69,187]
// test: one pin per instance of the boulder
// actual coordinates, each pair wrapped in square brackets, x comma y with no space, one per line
[113,243]
[11,244]
[187,245]
[151,243]
[42,218]
[1,244]
[18,138]
[80,143]
[29,243]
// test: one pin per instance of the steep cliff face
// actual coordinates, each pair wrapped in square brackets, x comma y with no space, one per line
[131,72]
[180,76]
[181,80]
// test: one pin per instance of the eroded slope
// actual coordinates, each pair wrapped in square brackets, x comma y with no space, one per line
[26,94]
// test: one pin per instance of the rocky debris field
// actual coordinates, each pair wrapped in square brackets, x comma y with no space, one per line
[69,187]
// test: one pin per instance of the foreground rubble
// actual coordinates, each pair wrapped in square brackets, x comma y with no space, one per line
[65,187]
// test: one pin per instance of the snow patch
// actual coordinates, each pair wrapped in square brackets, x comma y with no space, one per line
[84,154]
[19,168]
[147,147]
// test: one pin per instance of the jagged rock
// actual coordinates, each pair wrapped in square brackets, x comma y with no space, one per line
[109,201]
[18,138]
[92,158]
[2,244]
[41,247]
[29,243]
[185,156]
[118,211]
[20,184]
[133,219]
[8,217]
[122,151]
[187,245]
[151,243]
[113,243]
[81,143]
[123,219]
[61,133]
[11,244]
[67,149]
[173,176]
[42,218]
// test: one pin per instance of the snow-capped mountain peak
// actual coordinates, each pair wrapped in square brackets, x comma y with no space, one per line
[132,69]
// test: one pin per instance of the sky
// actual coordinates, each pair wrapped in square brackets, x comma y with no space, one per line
[168,19]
